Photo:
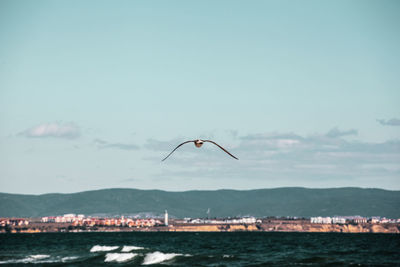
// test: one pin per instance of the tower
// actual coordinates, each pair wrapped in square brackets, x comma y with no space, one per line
[166,218]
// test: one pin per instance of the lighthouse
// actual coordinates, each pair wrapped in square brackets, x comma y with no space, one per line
[166,218]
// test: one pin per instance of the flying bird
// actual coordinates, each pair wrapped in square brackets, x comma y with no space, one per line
[199,143]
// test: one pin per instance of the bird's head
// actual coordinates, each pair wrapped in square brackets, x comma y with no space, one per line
[198,143]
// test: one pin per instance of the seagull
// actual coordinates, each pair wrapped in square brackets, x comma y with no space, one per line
[199,143]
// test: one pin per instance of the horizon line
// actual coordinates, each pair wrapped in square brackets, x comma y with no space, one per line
[205,190]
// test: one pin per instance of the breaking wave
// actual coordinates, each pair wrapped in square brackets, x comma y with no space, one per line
[130,248]
[157,257]
[119,257]
[98,248]
[30,259]
[70,258]
[39,257]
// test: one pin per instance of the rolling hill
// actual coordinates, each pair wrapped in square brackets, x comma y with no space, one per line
[300,202]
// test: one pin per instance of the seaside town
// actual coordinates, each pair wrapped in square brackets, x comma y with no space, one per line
[82,223]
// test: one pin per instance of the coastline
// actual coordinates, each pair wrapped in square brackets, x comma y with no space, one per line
[264,226]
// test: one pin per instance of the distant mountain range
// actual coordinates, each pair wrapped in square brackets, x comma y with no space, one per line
[290,201]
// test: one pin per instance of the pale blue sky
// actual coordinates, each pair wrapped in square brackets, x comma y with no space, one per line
[93,94]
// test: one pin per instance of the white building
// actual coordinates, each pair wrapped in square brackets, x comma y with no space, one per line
[359,219]
[166,218]
[338,220]
[375,219]
[325,220]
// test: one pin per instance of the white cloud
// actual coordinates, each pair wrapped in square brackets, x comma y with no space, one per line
[335,132]
[294,158]
[391,122]
[104,144]
[57,130]
[286,142]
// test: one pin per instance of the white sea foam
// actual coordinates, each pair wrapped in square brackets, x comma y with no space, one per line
[39,257]
[103,248]
[119,257]
[130,248]
[227,256]
[157,257]
[70,258]
[30,259]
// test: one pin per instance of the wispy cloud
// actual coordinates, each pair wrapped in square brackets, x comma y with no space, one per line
[292,157]
[56,130]
[391,122]
[104,144]
[335,132]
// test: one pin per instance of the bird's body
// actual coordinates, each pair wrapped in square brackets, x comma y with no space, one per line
[198,143]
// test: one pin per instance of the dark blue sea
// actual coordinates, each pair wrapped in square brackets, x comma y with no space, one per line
[199,249]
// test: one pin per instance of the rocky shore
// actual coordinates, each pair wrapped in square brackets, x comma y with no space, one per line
[291,226]
[306,226]
[264,226]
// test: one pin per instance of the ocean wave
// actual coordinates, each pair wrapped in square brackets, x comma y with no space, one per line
[39,257]
[119,257]
[30,259]
[70,258]
[130,248]
[157,257]
[98,248]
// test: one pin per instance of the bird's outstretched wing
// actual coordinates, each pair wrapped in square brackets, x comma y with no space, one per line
[177,148]
[221,148]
